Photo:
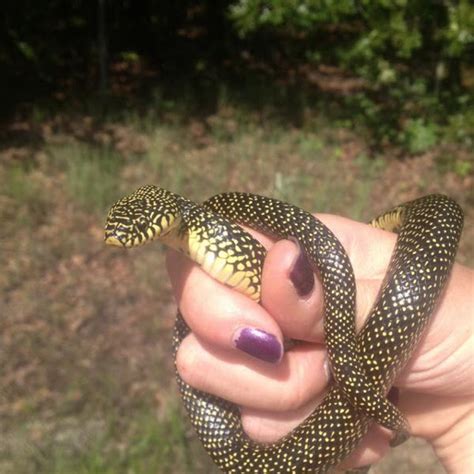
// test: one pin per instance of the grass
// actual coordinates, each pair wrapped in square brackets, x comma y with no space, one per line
[153,447]
[23,190]
[85,330]
[142,444]
[92,174]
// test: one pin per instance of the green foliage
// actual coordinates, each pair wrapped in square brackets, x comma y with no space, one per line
[26,50]
[376,37]
[419,135]
[249,15]
[130,56]
[409,58]
[462,167]
[459,32]
[410,55]
[460,126]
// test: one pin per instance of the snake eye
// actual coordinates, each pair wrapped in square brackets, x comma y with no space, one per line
[141,223]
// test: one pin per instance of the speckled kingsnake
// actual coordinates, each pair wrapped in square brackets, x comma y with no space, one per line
[364,367]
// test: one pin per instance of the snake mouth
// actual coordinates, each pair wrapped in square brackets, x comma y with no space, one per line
[112,239]
[117,238]
[124,238]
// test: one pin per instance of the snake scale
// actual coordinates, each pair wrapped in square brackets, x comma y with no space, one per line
[364,366]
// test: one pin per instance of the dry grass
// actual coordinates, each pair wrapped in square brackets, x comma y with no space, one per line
[85,330]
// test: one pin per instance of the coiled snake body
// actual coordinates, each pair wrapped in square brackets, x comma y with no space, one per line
[364,366]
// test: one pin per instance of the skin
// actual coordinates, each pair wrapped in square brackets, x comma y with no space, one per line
[436,387]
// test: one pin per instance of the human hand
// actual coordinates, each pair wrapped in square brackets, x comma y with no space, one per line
[437,386]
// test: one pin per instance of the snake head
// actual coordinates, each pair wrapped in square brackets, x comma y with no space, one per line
[149,213]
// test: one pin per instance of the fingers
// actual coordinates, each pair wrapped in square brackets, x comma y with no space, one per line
[373,447]
[293,294]
[220,316]
[269,427]
[234,338]
[286,388]
[252,383]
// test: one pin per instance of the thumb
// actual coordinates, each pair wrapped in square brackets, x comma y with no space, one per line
[292,291]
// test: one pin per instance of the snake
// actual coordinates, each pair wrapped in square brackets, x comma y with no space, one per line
[364,366]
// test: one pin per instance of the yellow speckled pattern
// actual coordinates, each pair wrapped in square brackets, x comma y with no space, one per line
[284,220]
[364,367]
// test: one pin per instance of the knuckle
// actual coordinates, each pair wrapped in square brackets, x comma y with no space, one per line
[294,398]
[187,361]
[300,391]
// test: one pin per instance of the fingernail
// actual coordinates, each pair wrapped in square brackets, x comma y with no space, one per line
[259,344]
[301,275]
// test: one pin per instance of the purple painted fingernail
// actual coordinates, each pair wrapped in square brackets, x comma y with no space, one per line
[259,344]
[301,275]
